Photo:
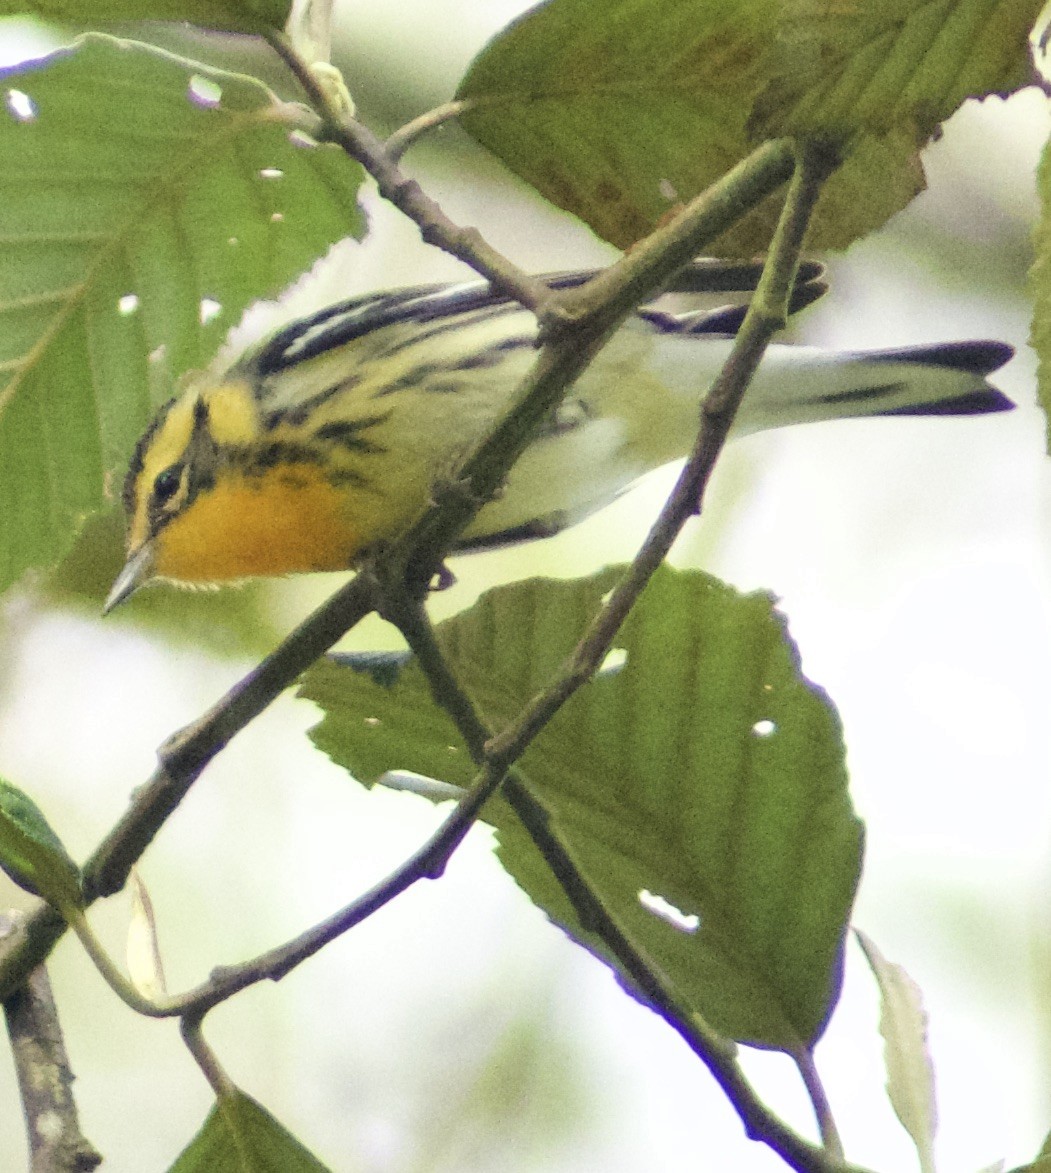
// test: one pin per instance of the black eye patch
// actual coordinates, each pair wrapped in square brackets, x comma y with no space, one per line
[167,484]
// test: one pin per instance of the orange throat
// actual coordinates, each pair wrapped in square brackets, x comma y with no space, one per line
[284,521]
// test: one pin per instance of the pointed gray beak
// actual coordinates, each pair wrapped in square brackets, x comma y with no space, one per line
[137,571]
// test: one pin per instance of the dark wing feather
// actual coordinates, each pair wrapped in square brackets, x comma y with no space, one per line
[342,323]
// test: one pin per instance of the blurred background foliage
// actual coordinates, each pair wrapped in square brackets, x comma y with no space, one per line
[458,1030]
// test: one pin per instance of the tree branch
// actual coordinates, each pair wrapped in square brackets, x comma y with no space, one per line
[766,314]
[427,862]
[182,758]
[595,310]
[416,555]
[56,1144]
[406,194]
[186,753]
[651,986]
[410,561]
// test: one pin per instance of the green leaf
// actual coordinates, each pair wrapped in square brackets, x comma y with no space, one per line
[705,771]
[891,63]
[32,854]
[137,191]
[240,1136]
[244,16]
[1040,287]
[620,110]
[379,715]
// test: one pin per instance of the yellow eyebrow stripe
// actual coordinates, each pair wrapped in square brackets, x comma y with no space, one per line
[233,414]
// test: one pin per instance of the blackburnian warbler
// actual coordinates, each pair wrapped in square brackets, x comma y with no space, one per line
[329,437]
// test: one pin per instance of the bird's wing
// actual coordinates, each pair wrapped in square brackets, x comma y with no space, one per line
[418,305]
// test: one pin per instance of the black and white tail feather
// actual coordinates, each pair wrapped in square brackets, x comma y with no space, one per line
[451,356]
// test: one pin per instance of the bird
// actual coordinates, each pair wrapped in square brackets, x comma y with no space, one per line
[327,439]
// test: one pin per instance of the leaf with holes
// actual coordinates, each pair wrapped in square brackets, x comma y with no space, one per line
[144,203]
[245,16]
[699,784]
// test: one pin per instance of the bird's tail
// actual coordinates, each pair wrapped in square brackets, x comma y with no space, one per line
[801,384]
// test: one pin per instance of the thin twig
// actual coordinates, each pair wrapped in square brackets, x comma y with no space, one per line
[428,862]
[182,759]
[406,194]
[406,136]
[56,1144]
[624,285]
[760,1122]
[765,316]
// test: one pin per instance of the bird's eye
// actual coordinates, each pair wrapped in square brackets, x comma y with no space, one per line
[167,484]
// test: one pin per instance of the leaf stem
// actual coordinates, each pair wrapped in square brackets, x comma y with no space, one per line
[117,982]
[406,136]
[830,1138]
[206,1059]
